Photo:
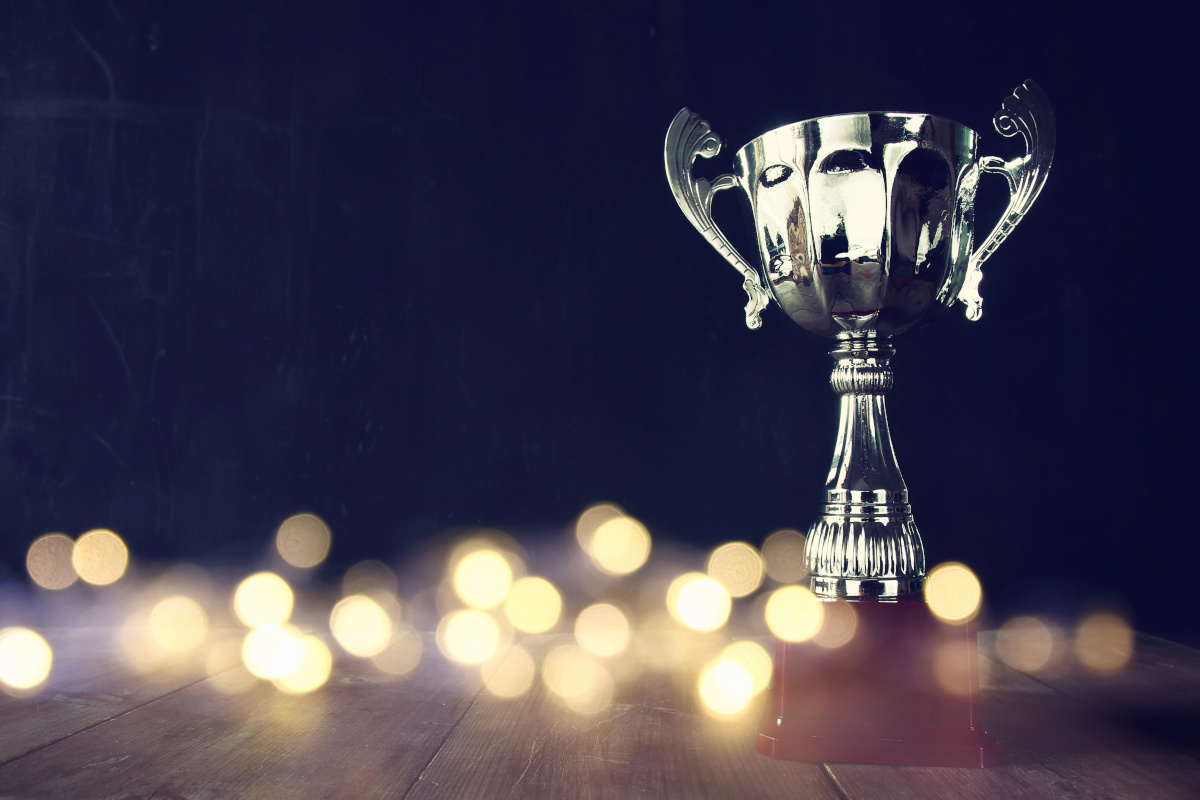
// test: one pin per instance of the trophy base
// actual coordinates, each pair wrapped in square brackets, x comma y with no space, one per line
[904,690]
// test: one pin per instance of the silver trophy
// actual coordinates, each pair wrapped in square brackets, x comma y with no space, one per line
[865,225]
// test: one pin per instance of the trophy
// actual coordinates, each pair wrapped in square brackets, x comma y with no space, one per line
[864,224]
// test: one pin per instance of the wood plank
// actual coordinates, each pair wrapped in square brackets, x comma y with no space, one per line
[88,685]
[1052,746]
[652,741]
[363,735]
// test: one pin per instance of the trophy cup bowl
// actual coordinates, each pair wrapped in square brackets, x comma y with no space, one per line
[865,229]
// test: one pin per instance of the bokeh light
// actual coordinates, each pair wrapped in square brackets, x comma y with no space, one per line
[100,557]
[178,624]
[311,670]
[402,654]
[579,679]
[951,666]
[620,546]
[725,687]
[1104,643]
[482,578]
[510,674]
[838,624]
[25,659]
[590,521]
[794,614]
[699,602]
[360,626]
[754,659]
[303,540]
[263,599]
[783,556]
[226,671]
[370,578]
[602,630]
[1029,644]
[272,651]
[533,605]
[738,567]
[953,593]
[469,636]
[49,561]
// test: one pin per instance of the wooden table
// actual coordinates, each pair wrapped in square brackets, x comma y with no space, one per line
[98,731]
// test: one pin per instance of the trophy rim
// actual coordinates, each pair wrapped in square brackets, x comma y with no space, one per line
[894,114]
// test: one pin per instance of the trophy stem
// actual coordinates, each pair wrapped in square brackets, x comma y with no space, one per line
[865,544]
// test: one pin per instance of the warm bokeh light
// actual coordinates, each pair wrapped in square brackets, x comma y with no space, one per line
[533,605]
[263,599]
[303,540]
[369,578]
[468,636]
[1104,643]
[403,653]
[579,679]
[602,630]
[736,566]
[590,521]
[226,671]
[482,578]
[312,668]
[1029,644]
[620,546]
[754,659]
[698,602]
[725,687]
[510,674]
[272,651]
[25,659]
[951,666]
[838,624]
[100,557]
[49,561]
[794,614]
[178,624]
[783,556]
[953,593]
[360,626]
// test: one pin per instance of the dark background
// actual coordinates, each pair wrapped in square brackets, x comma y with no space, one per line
[416,266]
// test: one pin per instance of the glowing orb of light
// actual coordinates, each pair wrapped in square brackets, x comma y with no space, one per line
[311,670]
[178,624]
[736,566]
[725,687]
[361,626]
[783,556]
[369,578]
[794,614]
[838,625]
[591,520]
[225,667]
[578,678]
[264,598]
[468,636]
[303,540]
[511,674]
[953,593]
[698,601]
[403,653]
[602,630]
[482,578]
[25,659]
[1104,643]
[100,557]
[754,659]
[620,546]
[533,605]
[1028,644]
[49,561]
[272,651]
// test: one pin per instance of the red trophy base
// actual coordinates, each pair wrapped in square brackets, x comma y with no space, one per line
[903,690]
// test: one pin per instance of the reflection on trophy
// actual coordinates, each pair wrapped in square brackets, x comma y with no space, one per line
[865,225]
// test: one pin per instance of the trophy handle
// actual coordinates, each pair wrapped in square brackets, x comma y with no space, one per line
[687,138]
[1027,112]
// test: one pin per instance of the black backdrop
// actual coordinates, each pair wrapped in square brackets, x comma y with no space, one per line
[416,266]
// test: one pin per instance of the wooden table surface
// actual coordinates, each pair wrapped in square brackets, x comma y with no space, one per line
[97,730]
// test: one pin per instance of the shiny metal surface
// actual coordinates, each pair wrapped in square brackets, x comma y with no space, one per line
[864,225]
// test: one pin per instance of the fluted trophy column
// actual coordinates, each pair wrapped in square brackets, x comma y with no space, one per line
[865,543]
